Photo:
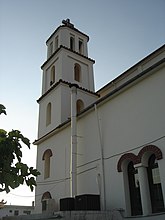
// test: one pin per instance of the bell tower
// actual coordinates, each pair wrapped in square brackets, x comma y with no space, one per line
[67,63]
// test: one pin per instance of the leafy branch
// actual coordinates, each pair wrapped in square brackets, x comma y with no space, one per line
[13,172]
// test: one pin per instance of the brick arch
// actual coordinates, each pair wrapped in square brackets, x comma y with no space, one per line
[46,195]
[129,157]
[150,148]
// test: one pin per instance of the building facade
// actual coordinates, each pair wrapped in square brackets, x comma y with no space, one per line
[109,143]
[15,210]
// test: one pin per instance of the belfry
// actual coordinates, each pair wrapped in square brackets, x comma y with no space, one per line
[102,150]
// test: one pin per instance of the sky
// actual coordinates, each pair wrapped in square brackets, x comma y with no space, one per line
[122,32]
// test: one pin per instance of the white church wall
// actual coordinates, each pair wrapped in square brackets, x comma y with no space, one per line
[123,123]
[52,98]
[70,58]
[114,186]
[65,39]
[58,184]
[131,116]
[86,97]
[90,186]
[127,121]
[46,79]
[88,139]
[65,104]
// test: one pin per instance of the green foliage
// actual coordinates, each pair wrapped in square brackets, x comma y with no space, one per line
[13,172]
[2,109]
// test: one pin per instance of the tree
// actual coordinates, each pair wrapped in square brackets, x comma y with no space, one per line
[13,172]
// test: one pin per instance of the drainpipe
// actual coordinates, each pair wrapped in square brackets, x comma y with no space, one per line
[73,140]
[101,176]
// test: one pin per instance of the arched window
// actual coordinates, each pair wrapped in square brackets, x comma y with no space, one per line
[77,72]
[44,199]
[72,43]
[134,190]
[56,43]
[48,114]
[81,49]
[155,185]
[80,106]
[149,180]
[46,157]
[46,195]
[52,76]
[51,49]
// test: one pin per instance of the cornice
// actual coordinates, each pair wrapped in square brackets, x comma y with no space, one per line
[66,48]
[70,85]
[70,27]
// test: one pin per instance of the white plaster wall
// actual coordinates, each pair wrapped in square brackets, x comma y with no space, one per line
[129,120]
[56,60]
[68,60]
[64,69]
[64,34]
[58,184]
[9,210]
[54,97]
[87,98]
[65,39]
[65,104]
[135,117]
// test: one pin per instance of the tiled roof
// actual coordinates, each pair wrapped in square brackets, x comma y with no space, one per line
[71,27]
[66,83]
[61,46]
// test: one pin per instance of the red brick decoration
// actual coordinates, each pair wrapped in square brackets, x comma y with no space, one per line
[137,159]
[150,148]
[129,157]
[46,195]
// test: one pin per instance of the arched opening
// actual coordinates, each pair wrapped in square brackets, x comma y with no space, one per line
[44,199]
[155,185]
[80,106]
[46,157]
[51,49]
[48,114]
[77,72]
[52,76]
[46,195]
[81,47]
[56,43]
[134,190]
[72,43]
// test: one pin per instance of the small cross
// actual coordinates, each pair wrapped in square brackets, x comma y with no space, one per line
[67,23]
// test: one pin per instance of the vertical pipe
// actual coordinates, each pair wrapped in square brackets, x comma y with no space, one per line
[103,201]
[73,140]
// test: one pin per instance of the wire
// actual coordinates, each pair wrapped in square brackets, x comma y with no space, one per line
[135,148]
[105,158]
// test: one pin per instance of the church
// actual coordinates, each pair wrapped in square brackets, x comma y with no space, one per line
[100,150]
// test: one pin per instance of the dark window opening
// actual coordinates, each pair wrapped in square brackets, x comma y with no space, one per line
[16,212]
[155,185]
[80,47]
[44,205]
[134,188]
[77,72]
[72,43]
[80,106]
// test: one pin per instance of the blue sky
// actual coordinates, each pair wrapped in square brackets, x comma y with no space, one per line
[121,32]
